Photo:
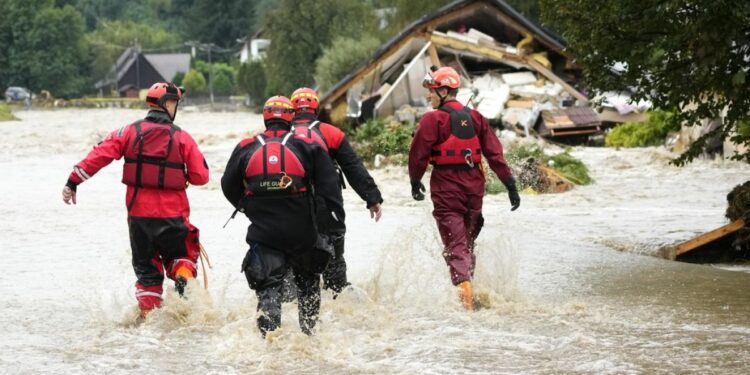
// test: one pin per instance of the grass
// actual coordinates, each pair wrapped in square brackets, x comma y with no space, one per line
[5,113]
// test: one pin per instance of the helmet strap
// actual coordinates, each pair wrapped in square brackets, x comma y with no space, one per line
[442,98]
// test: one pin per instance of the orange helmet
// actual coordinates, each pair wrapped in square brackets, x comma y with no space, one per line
[278,108]
[160,92]
[442,77]
[305,97]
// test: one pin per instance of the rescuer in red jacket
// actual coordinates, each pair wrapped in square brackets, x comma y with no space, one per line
[160,161]
[334,141]
[274,178]
[453,139]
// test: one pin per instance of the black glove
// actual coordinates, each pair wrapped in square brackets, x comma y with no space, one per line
[515,199]
[417,190]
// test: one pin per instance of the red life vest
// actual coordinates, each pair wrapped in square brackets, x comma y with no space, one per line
[311,131]
[274,169]
[153,158]
[462,149]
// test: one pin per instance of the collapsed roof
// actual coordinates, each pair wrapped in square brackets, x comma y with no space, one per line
[474,36]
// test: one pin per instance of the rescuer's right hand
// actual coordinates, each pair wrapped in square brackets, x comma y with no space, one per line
[68,195]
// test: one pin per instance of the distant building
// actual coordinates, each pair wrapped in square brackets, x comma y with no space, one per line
[254,47]
[135,71]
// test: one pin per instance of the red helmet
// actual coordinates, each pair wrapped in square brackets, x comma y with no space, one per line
[160,92]
[442,77]
[278,108]
[304,97]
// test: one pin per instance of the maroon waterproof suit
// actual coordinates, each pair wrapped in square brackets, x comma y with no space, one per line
[456,193]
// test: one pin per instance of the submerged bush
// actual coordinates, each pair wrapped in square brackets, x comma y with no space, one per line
[649,133]
[563,163]
[738,201]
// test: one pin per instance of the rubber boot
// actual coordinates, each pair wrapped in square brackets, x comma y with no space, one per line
[269,305]
[466,295]
[308,297]
[181,277]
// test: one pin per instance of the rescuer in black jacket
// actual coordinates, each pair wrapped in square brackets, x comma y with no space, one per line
[274,178]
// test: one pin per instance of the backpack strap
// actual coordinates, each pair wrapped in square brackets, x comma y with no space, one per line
[138,164]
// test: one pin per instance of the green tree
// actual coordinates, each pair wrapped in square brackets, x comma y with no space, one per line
[408,11]
[194,82]
[42,47]
[220,22]
[300,36]
[343,55]
[689,57]
[251,79]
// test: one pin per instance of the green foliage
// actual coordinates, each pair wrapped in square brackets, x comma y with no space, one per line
[571,168]
[194,82]
[224,76]
[42,47]
[518,154]
[5,113]
[300,37]
[110,39]
[564,163]
[251,79]
[649,133]
[162,14]
[691,56]
[341,57]
[408,11]
[178,77]
[493,185]
[377,137]
[220,22]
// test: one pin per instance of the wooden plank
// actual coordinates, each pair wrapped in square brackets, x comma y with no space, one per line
[563,132]
[367,69]
[433,54]
[708,237]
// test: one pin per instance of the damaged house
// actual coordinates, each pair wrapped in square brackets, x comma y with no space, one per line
[513,70]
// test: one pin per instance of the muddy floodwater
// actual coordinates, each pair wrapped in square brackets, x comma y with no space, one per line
[573,282]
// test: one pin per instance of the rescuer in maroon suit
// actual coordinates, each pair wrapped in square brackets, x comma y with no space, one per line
[160,161]
[453,139]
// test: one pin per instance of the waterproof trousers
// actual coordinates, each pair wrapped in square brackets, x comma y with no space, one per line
[265,269]
[159,245]
[459,220]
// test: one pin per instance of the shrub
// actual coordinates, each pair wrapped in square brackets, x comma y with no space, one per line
[194,82]
[650,133]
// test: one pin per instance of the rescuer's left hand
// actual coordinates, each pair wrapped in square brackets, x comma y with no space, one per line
[417,190]
[515,199]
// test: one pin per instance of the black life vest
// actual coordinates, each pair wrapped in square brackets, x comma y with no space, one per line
[311,131]
[153,158]
[462,149]
[275,169]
